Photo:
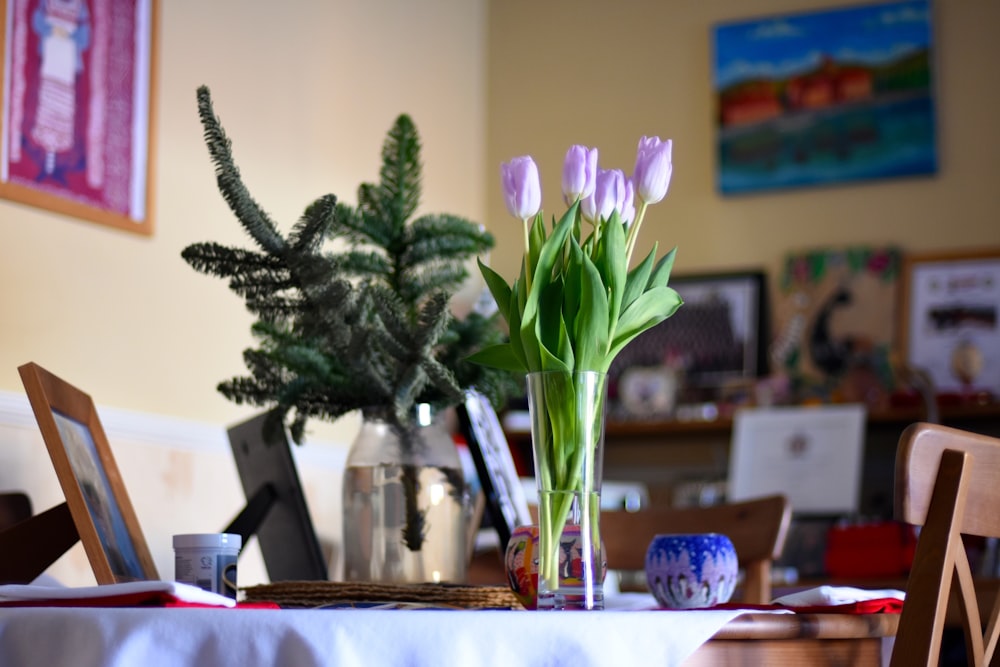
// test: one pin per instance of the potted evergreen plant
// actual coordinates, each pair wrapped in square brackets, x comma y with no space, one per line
[352,308]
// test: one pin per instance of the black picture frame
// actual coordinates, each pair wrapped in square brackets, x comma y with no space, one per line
[718,336]
[276,510]
[506,503]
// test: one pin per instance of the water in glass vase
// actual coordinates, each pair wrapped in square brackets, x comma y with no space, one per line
[409,524]
[571,565]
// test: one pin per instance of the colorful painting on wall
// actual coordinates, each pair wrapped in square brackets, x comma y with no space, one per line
[835,318]
[77,102]
[824,97]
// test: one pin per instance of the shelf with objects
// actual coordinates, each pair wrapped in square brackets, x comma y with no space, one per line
[832,326]
[831,329]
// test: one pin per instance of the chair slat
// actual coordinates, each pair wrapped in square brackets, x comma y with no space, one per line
[946,481]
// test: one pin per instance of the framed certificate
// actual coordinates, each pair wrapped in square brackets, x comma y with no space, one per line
[951,319]
[811,454]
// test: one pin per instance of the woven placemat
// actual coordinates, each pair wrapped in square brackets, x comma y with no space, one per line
[338,593]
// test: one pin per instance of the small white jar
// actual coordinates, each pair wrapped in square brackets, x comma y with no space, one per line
[208,561]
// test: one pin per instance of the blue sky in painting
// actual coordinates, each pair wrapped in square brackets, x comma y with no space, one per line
[778,46]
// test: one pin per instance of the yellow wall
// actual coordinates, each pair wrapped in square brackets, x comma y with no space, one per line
[603,74]
[306,91]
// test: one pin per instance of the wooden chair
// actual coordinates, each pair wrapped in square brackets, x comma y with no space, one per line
[756,527]
[947,481]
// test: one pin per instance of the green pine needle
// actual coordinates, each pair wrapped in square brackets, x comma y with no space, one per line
[352,304]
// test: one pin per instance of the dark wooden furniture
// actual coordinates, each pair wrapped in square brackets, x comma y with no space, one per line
[792,640]
[29,544]
[14,507]
[757,529]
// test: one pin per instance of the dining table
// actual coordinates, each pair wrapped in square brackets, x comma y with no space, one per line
[626,633]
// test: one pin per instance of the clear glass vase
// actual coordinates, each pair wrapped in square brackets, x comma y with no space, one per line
[406,506]
[567,439]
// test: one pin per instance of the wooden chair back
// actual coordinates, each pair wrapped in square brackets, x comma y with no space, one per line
[947,481]
[757,528]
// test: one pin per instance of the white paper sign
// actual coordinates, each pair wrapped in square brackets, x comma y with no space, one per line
[810,454]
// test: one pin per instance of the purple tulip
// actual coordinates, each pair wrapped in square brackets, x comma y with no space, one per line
[609,194]
[522,189]
[652,169]
[627,209]
[579,173]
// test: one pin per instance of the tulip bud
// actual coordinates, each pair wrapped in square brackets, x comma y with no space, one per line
[627,209]
[609,194]
[652,169]
[522,189]
[579,173]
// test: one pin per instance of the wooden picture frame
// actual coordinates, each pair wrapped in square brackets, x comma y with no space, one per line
[89,477]
[950,319]
[78,108]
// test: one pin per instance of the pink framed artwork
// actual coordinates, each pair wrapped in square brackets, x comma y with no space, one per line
[78,100]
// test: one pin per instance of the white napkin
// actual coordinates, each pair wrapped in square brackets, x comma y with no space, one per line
[835,595]
[182,592]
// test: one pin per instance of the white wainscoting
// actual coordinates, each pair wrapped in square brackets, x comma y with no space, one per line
[180,477]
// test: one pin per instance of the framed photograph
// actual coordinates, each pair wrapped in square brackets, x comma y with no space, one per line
[951,319]
[78,98]
[94,490]
[506,502]
[821,97]
[718,336]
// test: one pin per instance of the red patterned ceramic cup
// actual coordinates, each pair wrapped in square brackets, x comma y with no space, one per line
[521,560]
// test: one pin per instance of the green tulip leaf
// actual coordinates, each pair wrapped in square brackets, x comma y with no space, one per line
[651,308]
[614,267]
[661,274]
[550,252]
[498,288]
[550,362]
[551,327]
[592,320]
[498,356]
[638,279]
[571,296]
[516,342]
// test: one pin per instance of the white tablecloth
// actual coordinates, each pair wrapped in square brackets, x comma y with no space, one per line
[205,637]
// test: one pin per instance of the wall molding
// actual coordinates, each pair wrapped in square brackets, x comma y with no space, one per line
[126,426]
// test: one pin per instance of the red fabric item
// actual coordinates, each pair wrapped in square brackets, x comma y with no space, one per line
[875,606]
[141,599]
[873,550]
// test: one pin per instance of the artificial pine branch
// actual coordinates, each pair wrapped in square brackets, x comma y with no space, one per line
[252,216]
[363,328]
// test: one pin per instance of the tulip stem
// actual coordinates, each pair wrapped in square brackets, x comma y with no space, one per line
[527,254]
[633,232]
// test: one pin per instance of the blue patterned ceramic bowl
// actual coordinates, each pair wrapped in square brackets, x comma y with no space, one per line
[691,571]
